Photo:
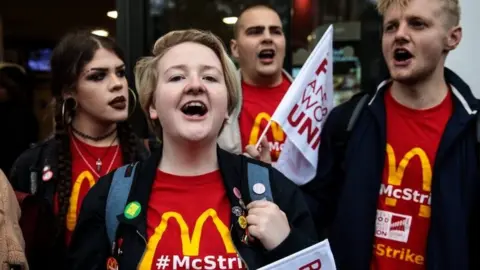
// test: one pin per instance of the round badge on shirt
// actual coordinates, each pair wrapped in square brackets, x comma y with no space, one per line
[132,210]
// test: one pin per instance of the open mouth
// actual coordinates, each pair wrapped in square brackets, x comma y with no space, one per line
[267,54]
[194,108]
[402,55]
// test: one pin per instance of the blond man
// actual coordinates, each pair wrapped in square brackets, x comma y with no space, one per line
[403,191]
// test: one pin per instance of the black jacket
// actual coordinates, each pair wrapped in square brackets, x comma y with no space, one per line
[347,190]
[90,247]
[38,222]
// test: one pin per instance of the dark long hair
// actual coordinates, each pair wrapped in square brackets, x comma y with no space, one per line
[69,58]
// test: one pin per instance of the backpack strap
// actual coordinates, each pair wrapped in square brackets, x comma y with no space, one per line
[258,182]
[117,197]
[344,127]
[478,127]
[477,130]
[356,112]
[35,170]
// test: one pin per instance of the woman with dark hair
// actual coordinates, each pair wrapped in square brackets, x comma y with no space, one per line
[91,139]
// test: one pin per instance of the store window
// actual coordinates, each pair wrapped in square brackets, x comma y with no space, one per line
[29,31]
[358,63]
[216,16]
[357,52]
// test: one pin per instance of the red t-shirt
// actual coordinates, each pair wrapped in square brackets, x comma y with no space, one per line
[85,175]
[403,214]
[188,219]
[258,106]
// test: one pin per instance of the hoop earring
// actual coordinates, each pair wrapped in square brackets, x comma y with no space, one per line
[64,116]
[134,101]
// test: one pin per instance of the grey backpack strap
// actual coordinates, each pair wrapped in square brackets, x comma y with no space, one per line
[356,112]
[477,130]
[259,182]
[117,197]
[478,127]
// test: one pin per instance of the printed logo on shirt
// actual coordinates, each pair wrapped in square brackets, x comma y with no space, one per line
[277,132]
[74,198]
[191,245]
[405,194]
[393,190]
[209,262]
[392,226]
[402,254]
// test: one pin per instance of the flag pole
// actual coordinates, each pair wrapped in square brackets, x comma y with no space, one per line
[263,134]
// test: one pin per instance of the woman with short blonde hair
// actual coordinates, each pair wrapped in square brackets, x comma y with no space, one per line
[191,203]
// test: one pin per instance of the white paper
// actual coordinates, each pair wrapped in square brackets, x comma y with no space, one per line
[318,256]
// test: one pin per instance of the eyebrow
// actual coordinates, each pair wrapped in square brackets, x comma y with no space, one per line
[408,17]
[390,21]
[273,27]
[105,68]
[184,68]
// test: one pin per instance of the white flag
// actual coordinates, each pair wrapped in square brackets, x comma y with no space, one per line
[318,256]
[303,110]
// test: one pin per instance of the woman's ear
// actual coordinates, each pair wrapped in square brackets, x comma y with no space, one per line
[69,94]
[152,112]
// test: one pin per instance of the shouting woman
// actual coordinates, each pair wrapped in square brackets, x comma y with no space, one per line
[190,204]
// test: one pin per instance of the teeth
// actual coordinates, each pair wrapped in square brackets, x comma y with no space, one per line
[194,104]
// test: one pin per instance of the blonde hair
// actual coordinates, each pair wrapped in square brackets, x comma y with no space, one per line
[452,8]
[146,75]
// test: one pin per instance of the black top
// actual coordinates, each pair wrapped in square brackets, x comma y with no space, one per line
[38,222]
[90,247]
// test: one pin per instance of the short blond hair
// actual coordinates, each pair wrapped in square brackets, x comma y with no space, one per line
[452,8]
[146,75]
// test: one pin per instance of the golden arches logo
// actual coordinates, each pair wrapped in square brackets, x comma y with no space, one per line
[395,174]
[72,209]
[277,131]
[190,246]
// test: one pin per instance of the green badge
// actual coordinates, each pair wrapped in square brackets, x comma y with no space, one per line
[132,210]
